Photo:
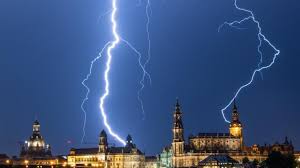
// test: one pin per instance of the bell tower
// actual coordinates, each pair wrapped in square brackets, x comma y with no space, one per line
[235,127]
[178,137]
[103,142]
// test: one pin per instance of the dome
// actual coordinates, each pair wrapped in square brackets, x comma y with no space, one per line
[35,146]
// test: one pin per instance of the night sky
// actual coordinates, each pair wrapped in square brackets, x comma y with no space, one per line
[46,48]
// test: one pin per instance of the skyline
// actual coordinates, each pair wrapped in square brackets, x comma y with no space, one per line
[59,47]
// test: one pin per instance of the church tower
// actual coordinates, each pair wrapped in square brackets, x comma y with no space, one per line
[36,141]
[178,137]
[35,146]
[103,142]
[235,127]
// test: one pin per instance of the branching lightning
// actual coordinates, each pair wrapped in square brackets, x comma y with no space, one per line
[88,89]
[261,38]
[109,46]
[142,81]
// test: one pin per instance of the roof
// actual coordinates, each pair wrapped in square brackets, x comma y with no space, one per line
[84,151]
[103,134]
[123,150]
[111,150]
[150,158]
[3,156]
[36,136]
[204,135]
[219,159]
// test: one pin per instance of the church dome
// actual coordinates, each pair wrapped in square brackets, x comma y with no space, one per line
[35,146]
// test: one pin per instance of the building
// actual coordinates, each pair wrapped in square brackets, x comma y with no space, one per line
[35,147]
[151,162]
[217,161]
[35,152]
[202,150]
[198,147]
[4,160]
[165,158]
[190,152]
[106,156]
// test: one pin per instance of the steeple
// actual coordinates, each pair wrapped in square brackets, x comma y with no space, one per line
[235,127]
[234,105]
[129,139]
[286,142]
[178,136]
[235,113]
[129,142]
[103,142]
[177,117]
[103,134]
[177,106]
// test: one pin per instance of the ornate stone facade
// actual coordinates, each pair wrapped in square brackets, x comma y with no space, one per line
[181,153]
[165,158]
[108,156]
[36,153]
[198,147]
[35,146]
[199,150]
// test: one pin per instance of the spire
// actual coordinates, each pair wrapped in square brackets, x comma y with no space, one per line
[234,105]
[234,109]
[103,134]
[235,127]
[129,138]
[129,142]
[103,142]
[177,106]
[103,138]
[35,116]
[286,142]
[177,121]
[178,136]
[235,114]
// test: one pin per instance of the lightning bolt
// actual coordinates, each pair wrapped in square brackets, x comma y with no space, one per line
[142,81]
[88,89]
[148,13]
[109,46]
[262,39]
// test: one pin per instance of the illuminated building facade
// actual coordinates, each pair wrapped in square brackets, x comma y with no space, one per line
[205,145]
[203,150]
[106,156]
[35,146]
[36,153]
[165,158]
[4,160]
[151,162]
[217,161]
